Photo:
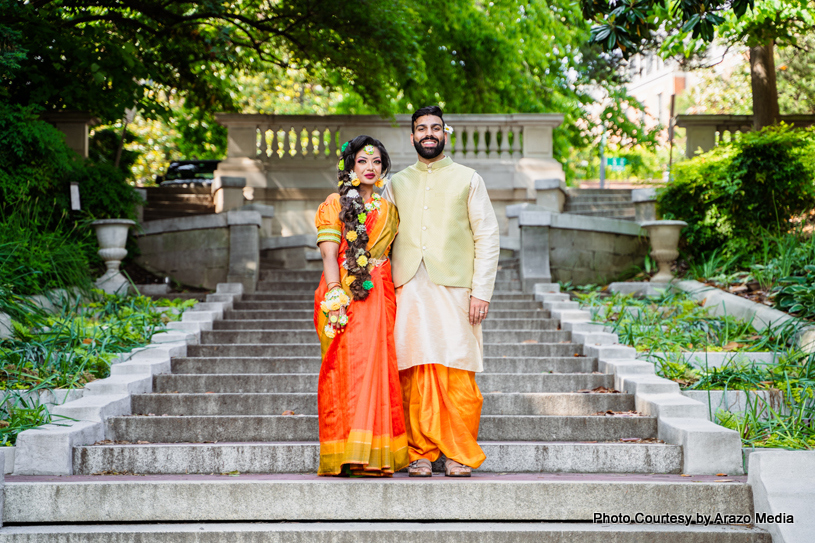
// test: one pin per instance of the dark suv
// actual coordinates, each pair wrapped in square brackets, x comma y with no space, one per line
[185,172]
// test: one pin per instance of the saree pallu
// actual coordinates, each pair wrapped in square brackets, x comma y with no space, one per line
[359,395]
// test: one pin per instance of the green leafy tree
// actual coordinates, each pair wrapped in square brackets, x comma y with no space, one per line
[687,26]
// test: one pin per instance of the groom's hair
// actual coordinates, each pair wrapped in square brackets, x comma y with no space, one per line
[427,110]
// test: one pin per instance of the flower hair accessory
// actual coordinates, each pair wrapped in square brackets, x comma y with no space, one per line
[380,183]
[344,146]
[448,129]
[334,300]
[369,149]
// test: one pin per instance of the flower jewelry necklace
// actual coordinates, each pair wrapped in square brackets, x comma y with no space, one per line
[374,204]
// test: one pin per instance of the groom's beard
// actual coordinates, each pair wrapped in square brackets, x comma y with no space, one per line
[429,152]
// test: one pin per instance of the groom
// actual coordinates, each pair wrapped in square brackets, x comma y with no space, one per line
[445,259]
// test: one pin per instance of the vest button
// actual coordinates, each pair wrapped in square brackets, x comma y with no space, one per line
[428,188]
[424,248]
[425,207]
[424,228]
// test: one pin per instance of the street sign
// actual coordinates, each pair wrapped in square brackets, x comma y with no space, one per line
[616,164]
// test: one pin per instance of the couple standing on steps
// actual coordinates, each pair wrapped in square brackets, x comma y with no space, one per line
[401,338]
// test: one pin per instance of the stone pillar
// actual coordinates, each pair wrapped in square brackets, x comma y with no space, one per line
[513,213]
[244,249]
[140,208]
[699,136]
[74,124]
[227,193]
[2,484]
[551,194]
[645,204]
[534,267]
[267,216]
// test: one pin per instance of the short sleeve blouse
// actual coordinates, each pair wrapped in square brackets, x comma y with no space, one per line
[328,223]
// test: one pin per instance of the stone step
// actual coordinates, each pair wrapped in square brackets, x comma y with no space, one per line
[307,382]
[265,305]
[244,428]
[268,288]
[205,365]
[305,403]
[265,324]
[375,532]
[514,304]
[508,295]
[270,275]
[575,207]
[280,296]
[600,192]
[508,285]
[309,349]
[491,324]
[167,190]
[501,323]
[619,214]
[502,457]
[273,314]
[159,214]
[296,497]
[537,313]
[181,205]
[526,350]
[310,336]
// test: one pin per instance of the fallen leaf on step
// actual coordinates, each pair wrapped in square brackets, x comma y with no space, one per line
[142,443]
[209,392]
[723,480]
[287,413]
[576,355]
[629,439]
[738,288]
[685,475]
[599,390]
[721,475]
[732,346]
[232,473]
[529,341]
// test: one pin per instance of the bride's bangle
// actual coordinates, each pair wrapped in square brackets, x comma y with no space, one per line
[334,300]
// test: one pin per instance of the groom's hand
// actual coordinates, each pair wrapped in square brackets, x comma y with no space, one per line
[478,310]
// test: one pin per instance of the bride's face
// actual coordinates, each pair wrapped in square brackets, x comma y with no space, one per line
[368,165]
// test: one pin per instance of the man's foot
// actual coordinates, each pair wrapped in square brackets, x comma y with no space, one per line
[420,468]
[454,469]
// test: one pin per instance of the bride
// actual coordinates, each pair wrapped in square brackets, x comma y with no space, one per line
[362,428]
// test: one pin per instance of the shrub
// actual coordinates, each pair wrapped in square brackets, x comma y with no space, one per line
[760,180]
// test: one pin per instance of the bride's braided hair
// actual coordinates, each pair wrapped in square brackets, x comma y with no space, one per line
[351,207]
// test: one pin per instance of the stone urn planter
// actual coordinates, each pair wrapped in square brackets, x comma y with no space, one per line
[112,236]
[664,237]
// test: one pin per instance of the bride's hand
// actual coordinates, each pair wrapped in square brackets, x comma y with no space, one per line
[336,317]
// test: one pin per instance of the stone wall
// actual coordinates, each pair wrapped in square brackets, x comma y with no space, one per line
[585,256]
[204,250]
[584,250]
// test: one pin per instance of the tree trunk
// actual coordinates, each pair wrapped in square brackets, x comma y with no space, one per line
[763,83]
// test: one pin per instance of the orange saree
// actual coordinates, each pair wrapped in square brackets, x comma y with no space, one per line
[361,422]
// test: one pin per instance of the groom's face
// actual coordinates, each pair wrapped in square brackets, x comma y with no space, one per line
[428,136]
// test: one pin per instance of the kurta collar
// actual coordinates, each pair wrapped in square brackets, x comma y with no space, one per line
[438,165]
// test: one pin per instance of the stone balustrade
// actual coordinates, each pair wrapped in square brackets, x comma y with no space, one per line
[706,131]
[290,160]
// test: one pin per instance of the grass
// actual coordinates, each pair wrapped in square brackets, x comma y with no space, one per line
[70,349]
[673,324]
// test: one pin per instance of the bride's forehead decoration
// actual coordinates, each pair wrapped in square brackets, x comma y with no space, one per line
[369,149]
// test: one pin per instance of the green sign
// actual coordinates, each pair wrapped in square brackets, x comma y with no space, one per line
[616,164]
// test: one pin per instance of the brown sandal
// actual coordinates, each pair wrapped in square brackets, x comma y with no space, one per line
[454,469]
[420,468]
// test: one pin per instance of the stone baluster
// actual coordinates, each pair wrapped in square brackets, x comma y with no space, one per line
[482,142]
[504,151]
[263,147]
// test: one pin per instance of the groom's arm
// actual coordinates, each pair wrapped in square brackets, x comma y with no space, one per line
[484,226]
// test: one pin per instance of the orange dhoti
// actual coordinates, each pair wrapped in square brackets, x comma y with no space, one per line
[442,413]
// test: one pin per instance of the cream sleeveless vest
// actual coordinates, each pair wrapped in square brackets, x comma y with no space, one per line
[434,223]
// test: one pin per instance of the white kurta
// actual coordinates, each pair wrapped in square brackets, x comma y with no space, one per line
[432,321]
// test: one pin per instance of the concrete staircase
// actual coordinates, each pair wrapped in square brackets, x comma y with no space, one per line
[212,444]
[609,203]
[171,202]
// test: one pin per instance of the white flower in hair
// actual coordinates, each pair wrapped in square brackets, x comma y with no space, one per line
[448,129]
[352,176]
[352,193]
